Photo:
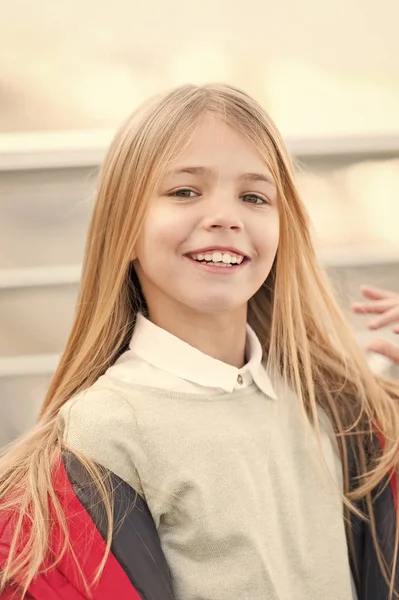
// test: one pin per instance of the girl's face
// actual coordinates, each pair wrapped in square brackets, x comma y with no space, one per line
[216,206]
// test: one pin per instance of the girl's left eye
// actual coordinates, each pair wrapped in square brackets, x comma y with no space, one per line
[184,193]
[254,199]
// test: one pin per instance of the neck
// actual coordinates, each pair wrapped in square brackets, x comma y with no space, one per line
[221,336]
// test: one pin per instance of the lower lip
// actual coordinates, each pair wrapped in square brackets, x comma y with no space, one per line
[219,270]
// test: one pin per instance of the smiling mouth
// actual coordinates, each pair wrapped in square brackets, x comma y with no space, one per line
[218,258]
[218,261]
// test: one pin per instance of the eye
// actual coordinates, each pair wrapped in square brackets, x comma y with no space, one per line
[254,199]
[184,193]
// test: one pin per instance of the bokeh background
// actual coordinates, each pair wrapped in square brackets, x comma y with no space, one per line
[328,73]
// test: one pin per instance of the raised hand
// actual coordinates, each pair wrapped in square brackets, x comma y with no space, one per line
[385,304]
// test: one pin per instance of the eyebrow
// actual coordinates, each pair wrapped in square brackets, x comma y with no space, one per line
[206,171]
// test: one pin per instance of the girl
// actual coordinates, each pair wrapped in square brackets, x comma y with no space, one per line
[213,430]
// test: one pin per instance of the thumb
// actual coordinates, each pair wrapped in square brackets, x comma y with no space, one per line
[384,347]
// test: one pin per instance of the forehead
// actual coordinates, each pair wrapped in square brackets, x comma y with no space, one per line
[216,144]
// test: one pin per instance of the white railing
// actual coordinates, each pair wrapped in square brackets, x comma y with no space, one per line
[51,150]
[32,364]
[39,276]
[19,151]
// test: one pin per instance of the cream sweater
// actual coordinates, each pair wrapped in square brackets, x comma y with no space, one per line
[242,503]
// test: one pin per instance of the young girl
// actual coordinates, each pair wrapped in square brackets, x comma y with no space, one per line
[213,430]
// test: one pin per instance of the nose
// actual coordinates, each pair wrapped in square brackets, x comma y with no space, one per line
[226,218]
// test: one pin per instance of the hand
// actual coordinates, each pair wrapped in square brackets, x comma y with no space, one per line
[385,304]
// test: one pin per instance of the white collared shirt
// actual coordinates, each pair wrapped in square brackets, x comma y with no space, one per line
[159,359]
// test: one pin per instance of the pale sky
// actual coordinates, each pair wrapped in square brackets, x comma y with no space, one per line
[319,68]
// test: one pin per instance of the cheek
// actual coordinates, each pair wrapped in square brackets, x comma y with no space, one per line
[162,235]
[268,237]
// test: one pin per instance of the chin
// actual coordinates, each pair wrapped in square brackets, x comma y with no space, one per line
[211,305]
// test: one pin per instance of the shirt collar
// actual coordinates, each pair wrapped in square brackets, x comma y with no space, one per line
[167,352]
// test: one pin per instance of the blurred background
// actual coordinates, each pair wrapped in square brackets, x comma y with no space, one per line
[71,72]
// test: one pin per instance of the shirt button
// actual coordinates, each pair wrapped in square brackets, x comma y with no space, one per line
[239,379]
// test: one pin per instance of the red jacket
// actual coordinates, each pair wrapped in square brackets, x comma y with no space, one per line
[136,568]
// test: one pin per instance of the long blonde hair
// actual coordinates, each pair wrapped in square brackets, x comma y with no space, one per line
[294,314]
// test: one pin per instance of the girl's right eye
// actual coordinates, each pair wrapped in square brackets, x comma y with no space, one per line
[184,193]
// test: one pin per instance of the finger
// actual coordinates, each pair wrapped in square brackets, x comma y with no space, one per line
[376,293]
[395,328]
[387,318]
[376,307]
[386,348]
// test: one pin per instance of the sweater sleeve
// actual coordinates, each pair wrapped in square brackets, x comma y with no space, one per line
[101,425]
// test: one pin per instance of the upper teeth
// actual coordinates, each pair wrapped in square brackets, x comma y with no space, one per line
[224,257]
